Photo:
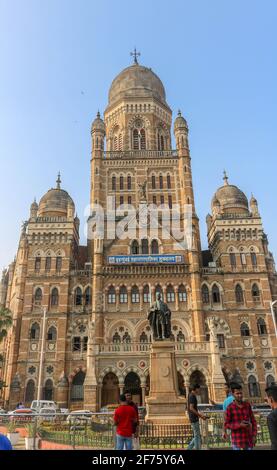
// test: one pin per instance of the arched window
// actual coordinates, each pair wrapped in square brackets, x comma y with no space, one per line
[48,391]
[170,201]
[37,263]
[144,246]
[170,295]
[38,296]
[239,294]
[154,247]
[88,296]
[111,295]
[126,337]
[135,247]
[254,259]
[262,330]
[233,260]
[244,329]
[205,294]
[123,295]
[159,290]
[161,181]
[77,388]
[47,263]
[78,296]
[153,182]
[54,297]
[270,381]
[58,263]
[168,181]
[255,293]
[52,334]
[120,142]
[253,386]
[135,295]
[146,294]
[142,140]
[113,183]
[121,183]
[34,332]
[215,294]
[135,139]
[161,142]
[182,293]
[180,336]
[116,338]
[129,182]
[30,391]
[143,338]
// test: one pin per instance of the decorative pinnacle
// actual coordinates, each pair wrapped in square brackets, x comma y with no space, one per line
[58,181]
[225,177]
[98,114]
[135,54]
[179,113]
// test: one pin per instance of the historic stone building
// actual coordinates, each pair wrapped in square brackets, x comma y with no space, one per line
[95,339]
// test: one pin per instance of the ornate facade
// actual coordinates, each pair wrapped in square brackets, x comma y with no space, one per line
[95,339]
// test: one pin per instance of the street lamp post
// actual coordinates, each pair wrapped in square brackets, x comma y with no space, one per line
[273,315]
[41,354]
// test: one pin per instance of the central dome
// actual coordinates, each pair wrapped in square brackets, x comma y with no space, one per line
[136,81]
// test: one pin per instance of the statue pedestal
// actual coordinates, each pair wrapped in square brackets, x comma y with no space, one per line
[164,405]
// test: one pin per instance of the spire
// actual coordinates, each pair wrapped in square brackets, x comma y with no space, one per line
[98,114]
[225,177]
[135,54]
[58,181]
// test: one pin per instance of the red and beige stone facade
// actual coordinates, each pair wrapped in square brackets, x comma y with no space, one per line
[96,336]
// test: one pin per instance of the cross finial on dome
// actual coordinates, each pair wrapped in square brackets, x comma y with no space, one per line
[135,54]
[179,112]
[58,181]
[225,177]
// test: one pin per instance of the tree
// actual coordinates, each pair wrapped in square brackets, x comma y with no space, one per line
[5,322]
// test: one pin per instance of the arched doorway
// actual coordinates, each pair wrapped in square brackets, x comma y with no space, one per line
[181,384]
[77,387]
[198,378]
[48,392]
[147,387]
[110,390]
[132,384]
[30,392]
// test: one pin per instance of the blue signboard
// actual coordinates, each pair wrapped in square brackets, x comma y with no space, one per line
[146,259]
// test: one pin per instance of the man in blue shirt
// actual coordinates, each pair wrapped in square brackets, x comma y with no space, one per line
[229,397]
[5,443]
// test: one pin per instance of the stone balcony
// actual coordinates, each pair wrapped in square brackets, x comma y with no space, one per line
[144,348]
[140,154]
[111,270]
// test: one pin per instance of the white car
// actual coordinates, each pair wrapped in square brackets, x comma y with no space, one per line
[79,417]
[38,405]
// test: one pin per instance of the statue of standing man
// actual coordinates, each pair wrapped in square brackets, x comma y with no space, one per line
[159,318]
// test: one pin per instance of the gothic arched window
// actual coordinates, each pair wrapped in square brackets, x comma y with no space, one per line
[52,334]
[115,143]
[168,181]
[135,295]
[88,296]
[135,247]
[262,330]
[244,329]
[126,337]
[215,294]
[144,246]
[113,183]
[255,293]
[170,294]
[146,294]
[34,332]
[158,290]
[142,140]
[123,295]
[180,336]
[205,294]
[253,386]
[161,181]
[116,338]
[154,247]
[135,139]
[153,182]
[121,183]
[54,297]
[111,295]
[38,296]
[143,338]
[78,296]
[129,182]
[182,293]
[239,294]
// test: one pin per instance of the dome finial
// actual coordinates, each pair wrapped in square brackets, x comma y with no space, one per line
[58,181]
[135,54]
[225,177]
[179,112]
[98,114]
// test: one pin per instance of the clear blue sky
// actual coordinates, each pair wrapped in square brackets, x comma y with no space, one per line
[217,60]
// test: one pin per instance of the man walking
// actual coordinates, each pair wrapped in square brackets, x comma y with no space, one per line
[194,416]
[240,419]
[271,392]
[125,418]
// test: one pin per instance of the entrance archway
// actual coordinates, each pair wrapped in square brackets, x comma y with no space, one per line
[110,390]
[48,390]
[133,385]
[77,387]
[198,377]
[30,392]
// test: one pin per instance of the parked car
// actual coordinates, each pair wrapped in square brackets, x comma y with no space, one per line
[48,414]
[37,405]
[22,414]
[79,417]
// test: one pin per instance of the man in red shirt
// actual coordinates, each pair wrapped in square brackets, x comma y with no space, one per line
[125,418]
[240,419]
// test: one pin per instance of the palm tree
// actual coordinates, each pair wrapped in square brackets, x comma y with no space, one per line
[5,322]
